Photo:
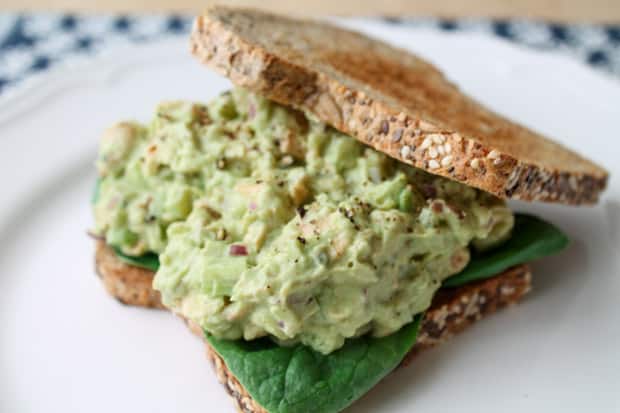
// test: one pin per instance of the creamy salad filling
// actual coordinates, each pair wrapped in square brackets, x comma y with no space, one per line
[269,223]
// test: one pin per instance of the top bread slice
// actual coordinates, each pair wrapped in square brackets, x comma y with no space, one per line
[393,101]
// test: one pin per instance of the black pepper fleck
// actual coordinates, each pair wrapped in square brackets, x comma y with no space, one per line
[301,211]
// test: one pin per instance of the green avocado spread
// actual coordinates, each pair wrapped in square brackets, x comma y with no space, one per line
[269,223]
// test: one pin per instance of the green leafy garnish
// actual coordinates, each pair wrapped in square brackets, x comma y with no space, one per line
[531,238]
[149,261]
[299,380]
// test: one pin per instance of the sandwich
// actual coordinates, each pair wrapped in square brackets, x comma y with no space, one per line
[339,210]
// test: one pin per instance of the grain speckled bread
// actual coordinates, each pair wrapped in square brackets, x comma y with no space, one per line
[393,101]
[452,309]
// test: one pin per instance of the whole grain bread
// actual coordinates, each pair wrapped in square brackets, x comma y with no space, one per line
[451,312]
[128,284]
[393,101]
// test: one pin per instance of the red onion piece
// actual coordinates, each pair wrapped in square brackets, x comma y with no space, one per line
[237,250]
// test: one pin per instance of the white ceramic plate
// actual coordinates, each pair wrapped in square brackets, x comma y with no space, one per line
[66,346]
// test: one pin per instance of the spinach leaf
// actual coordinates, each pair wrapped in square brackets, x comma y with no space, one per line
[531,238]
[299,380]
[150,261]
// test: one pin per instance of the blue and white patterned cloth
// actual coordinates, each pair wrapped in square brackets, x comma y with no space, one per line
[33,43]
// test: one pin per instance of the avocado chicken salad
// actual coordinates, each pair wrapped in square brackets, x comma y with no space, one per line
[270,223]
[307,258]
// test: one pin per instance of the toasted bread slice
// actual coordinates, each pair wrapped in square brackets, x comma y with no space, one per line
[452,309]
[392,101]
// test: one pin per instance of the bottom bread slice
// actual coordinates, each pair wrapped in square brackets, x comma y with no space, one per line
[452,309]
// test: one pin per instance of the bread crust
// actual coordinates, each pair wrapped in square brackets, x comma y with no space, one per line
[128,284]
[452,310]
[393,101]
